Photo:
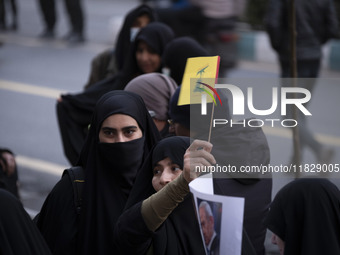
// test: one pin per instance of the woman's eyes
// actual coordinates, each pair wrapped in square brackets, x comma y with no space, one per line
[175,168]
[156,171]
[108,133]
[129,131]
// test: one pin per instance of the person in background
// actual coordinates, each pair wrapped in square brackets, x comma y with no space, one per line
[18,234]
[9,172]
[120,137]
[176,54]
[160,215]
[156,90]
[111,61]
[3,15]
[76,19]
[316,23]
[305,218]
[74,111]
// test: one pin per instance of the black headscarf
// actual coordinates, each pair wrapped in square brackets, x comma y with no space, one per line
[305,214]
[180,233]
[156,35]
[110,170]
[176,54]
[123,41]
[75,111]
[18,234]
[172,147]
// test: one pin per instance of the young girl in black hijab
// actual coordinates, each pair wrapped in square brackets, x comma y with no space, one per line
[74,111]
[120,136]
[305,218]
[111,61]
[161,217]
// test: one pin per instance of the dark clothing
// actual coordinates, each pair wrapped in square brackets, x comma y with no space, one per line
[61,232]
[176,54]
[305,214]
[74,11]
[179,234]
[215,246]
[18,234]
[4,13]
[49,13]
[75,111]
[316,22]
[257,197]
[110,170]
[103,66]
[9,182]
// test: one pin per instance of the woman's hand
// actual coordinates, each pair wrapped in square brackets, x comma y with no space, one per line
[196,156]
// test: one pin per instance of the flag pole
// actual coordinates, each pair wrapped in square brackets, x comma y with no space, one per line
[211,120]
[293,73]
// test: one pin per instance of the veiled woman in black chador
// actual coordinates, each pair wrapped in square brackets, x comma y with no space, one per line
[120,136]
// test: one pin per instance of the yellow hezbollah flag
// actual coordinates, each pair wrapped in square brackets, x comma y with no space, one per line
[193,85]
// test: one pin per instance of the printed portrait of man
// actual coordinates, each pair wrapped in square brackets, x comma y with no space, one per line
[211,238]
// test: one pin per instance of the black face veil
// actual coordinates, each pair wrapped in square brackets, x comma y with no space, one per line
[110,170]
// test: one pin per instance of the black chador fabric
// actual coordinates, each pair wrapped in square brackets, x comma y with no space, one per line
[176,54]
[124,42]
[180,233]
[75,111]
[110,171]
[305,214]
[18,234]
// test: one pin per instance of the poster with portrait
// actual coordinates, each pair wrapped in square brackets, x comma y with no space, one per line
[220,218]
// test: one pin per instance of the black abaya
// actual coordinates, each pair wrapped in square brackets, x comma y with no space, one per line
[18,234]
[305,214]
[180,233]
[110,170]
[176,54]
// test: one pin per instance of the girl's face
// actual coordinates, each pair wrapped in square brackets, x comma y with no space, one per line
[141,21]
[164,172]
[148,61]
